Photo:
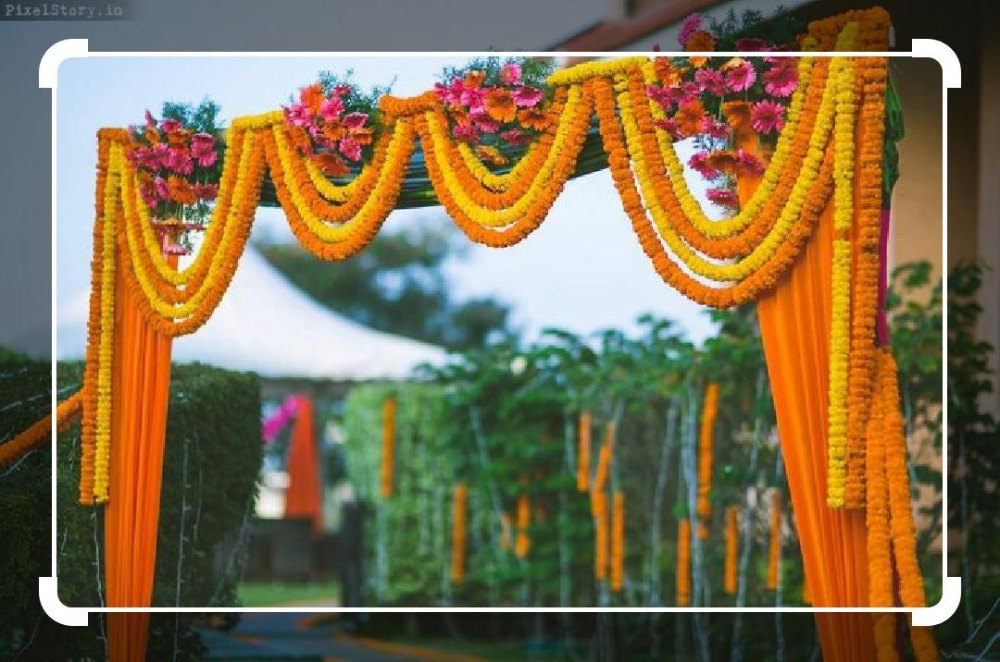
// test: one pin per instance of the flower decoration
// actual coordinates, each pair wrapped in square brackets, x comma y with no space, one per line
[334,123]
[177,166]
[497,106]
[724,103]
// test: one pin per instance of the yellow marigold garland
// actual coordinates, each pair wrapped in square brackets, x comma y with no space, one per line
[39,432]
[458,533]
[732,537]
[683,563]
[710,408]
[618,542]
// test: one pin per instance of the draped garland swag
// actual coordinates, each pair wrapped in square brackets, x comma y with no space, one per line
[804,245]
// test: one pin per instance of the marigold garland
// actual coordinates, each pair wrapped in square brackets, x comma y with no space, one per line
[774,551]
[40,432]
[732,537]
[523,544]
[683,563]
[599,506]
[604,459]
[618,542]
[880,575]
[710,409]
[388,447]
[583,453]
[458,533]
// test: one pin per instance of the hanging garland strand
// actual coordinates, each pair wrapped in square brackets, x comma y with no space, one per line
[40,431]
[388,446]
[683,563]
[732,525]
[583,453]
[458,533]
[618,542]
[523,542]
[710,410]
[774,552]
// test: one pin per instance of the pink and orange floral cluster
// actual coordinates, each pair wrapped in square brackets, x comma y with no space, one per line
[495,108]
[713,100]
[177,169]
[324,127]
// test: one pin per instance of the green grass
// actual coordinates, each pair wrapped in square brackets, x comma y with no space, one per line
[268,594]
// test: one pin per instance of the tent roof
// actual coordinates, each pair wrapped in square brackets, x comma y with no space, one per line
[267,325]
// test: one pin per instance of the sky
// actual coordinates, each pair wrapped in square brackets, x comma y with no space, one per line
[583,270]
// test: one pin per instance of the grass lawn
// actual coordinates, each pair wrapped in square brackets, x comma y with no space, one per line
[269,594]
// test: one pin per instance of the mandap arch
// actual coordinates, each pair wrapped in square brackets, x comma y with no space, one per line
[806,246]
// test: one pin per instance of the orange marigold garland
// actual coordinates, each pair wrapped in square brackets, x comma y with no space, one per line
[599,505]
[683,563]
[388,445]
[583,453]
[618,542]
[40,431]
[774,552]
[710,410]
[732,536]
[880,576]
[458,533]
[523,543]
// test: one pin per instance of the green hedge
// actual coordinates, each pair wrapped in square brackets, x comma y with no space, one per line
[213,420]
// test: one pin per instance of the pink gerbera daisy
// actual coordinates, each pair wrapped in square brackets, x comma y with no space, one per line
[723,197]
[510,73]
[699,163]
[711,81]
[714,128]
[781,79]
[689,26]
[748,163]
[767,117]
[740,75]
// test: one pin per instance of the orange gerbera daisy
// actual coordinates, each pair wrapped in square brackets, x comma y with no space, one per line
[333,131]
[151,134]
[363,136]
[534,118]
[474,78]
[738,115]
[723,160]
[312,97]
[491,155]
[181,191]
[700,41]
[668,74]
[688,117]
[500,104]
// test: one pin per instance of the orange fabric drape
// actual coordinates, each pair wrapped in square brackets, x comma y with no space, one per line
[303,498]
[795,326]
[141,378]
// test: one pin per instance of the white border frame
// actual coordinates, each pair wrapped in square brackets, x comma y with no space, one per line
[48,77]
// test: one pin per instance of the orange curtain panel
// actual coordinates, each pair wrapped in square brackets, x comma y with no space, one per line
[303,498]
[141,376]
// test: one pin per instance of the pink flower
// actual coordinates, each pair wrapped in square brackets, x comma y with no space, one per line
[740,75]
[298,115]
[474,98]
[514,137]
[752,44]
[160,156]
[205,191]
[527,97]
[350,148]
[711,81]
[781,79]
[150,120]
[510,73]
[767,117]
[465,131]
[673,95]
[485,123]
[723,197]
[170,125]
[748,163]
[203,149]
[689,26]
[340,90]
[714,128]
[355,120]
[149,196]
[670,126]
[179,160]
[161,188]
[330,109]
[699,163]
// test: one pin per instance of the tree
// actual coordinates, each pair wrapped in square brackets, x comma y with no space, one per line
[398,285]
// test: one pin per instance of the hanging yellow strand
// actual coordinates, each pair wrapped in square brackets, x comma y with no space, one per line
[683,563]
[732,523]
[388,445]
[458,535]
[710,409]
[618,543]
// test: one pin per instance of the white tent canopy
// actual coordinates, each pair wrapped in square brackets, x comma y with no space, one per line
[267,325]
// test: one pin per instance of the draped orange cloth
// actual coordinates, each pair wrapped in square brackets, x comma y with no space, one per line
[303,496]
[795,326]
[141,378]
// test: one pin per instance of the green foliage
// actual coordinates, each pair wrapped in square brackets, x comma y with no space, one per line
[211,460]
[202,118]
[534,70]
[780,27]
[397,285]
